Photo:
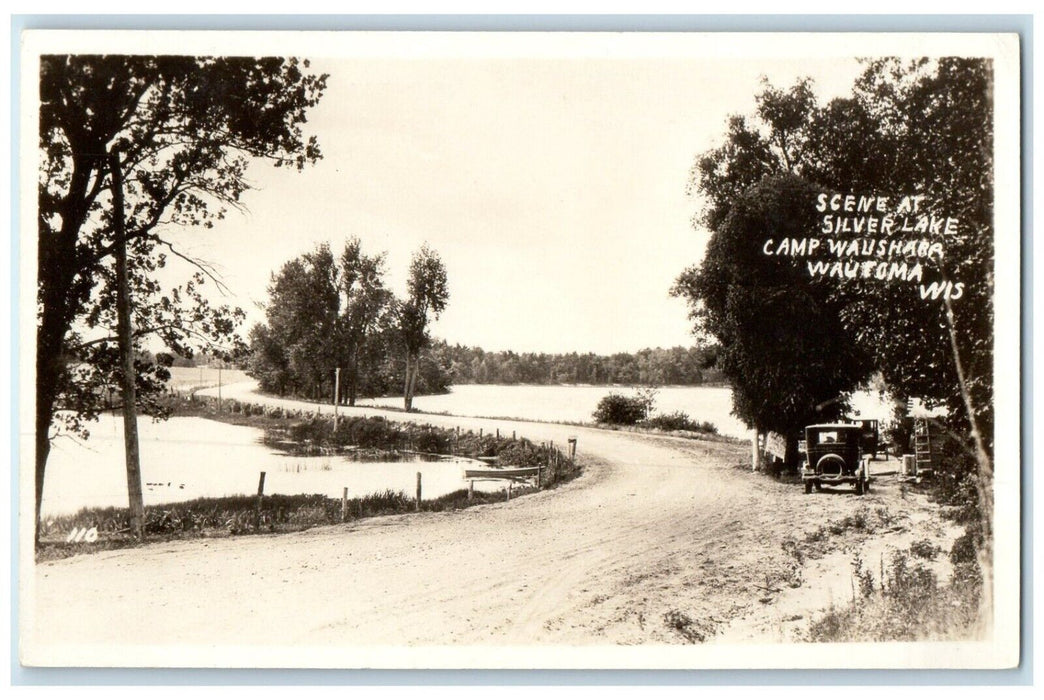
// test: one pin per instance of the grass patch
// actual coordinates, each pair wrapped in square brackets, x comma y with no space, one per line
[679,421]
[238,515]
[303,433]
[692,631]
[906,604]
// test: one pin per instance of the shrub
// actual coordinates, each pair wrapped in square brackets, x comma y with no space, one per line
[924,549]
[432,441]
[680,421]
[965,548]
[909,605]
[691,630]
[617,409]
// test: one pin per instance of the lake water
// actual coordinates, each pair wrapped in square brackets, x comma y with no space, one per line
[186,458]
[577,403]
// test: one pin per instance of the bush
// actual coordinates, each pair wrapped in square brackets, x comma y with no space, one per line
[965,549]
[924,549]
[617,409]
[908,605]
[680,421]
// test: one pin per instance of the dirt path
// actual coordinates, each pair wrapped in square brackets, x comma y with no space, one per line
[662,540]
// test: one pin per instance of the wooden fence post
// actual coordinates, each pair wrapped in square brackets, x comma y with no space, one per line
[471,489]
[417,504]
[344,505]
[260,500]
[508,498]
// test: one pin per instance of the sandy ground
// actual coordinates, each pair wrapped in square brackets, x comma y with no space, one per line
[661,540]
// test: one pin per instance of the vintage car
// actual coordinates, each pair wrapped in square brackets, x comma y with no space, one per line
[834,455]
[871,436]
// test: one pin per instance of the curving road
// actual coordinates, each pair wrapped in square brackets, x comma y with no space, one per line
[661,540]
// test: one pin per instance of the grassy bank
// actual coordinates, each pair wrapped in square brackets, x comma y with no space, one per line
[928,589]
[238,515]
[301,432]
[905,602]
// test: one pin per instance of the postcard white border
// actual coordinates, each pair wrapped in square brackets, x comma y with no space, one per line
[1000,652]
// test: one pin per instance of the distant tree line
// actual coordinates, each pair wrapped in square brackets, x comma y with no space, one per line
[330,312]
[651,366]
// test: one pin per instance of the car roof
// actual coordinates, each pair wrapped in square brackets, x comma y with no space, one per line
[834,426]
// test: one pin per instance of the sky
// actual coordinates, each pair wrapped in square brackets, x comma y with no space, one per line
[554,189]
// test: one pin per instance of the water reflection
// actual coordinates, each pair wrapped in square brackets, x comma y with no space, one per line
[187,458]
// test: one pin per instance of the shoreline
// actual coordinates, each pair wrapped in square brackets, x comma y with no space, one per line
[662,540]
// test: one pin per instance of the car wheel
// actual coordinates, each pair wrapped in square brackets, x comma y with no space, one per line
[859,487]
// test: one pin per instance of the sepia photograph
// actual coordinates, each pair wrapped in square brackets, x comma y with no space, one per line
[519,350]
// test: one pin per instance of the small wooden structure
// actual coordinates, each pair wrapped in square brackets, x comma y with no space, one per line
[512,473]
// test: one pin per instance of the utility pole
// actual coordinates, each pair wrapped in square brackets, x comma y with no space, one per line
[337,392]
[123,335]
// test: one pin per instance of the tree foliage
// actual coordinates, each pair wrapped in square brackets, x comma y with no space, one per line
[426,298]
[184,130]
[367,303]
[908,128]
[647,367]
[783,347]
[329,312]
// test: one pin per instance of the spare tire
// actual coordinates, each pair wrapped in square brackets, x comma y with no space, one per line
[831,464]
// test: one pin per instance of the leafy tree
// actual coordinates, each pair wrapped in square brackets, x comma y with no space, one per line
[268,363]
[325,313]
[427,294]
[183,130]
[300,346]
[937,120]
[783,347]
[366,301]
[910,128]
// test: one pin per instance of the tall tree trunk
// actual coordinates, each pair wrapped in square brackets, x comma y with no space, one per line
[406,395]
[353,383]
[123,332]
[49,368]
[755,449]
[413,378]
[56,270]
[790,459]
[43,449]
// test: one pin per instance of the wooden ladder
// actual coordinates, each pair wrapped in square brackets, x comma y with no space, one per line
[923,445]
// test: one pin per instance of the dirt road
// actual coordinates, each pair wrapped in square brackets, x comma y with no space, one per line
[661,540]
